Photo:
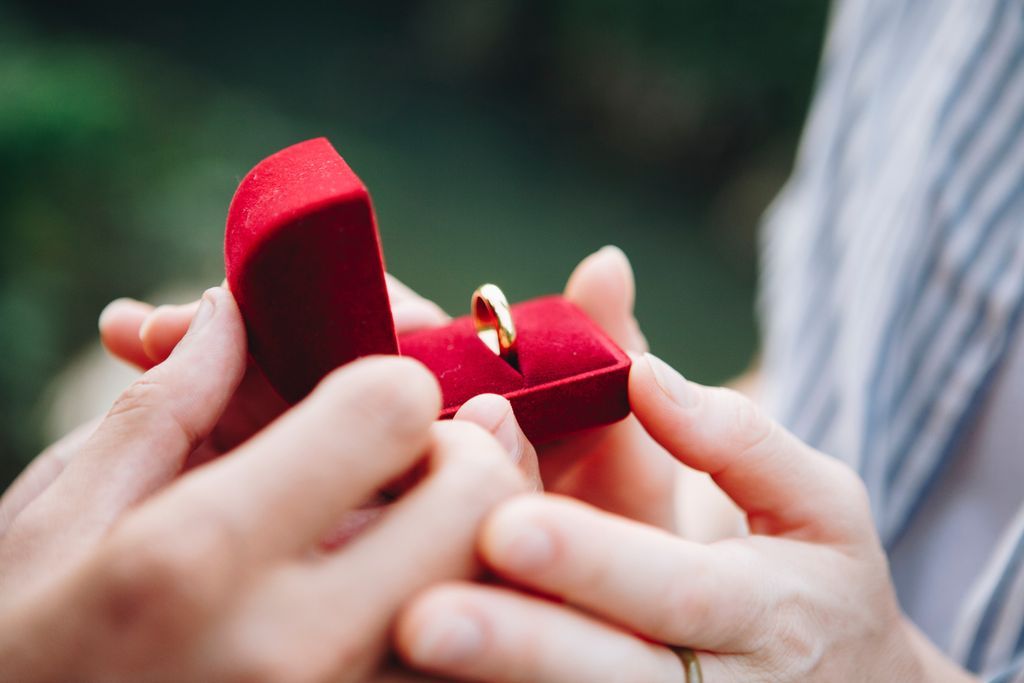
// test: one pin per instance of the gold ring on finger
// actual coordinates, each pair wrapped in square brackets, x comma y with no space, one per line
[691,665]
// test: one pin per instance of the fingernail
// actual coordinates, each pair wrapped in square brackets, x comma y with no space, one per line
[207,306]
[527,549]
[447,638]
[671,382]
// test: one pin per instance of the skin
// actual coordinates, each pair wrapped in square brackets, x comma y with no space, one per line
[618,468]
[115,566]
[804,596]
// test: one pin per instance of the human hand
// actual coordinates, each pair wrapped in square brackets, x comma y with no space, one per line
[119,570]
[807,597]
[141,335]
[618,468]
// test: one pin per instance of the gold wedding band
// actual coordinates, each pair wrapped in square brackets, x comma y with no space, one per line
[493,321]
[691,665]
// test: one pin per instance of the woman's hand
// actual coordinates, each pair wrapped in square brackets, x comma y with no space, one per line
[117,569]
[807,597]
[620,468]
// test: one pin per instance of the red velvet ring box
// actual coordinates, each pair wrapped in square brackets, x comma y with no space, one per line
[304,262]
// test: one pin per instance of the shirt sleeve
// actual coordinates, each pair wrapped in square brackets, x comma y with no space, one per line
[1013,673]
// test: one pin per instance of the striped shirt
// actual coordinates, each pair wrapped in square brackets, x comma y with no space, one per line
[892,287]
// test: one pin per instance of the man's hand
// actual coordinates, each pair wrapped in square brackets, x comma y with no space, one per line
[141,335]
[119,569]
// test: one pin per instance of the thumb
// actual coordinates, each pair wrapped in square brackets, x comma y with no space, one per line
[785,486]
[602,286]
[160,419]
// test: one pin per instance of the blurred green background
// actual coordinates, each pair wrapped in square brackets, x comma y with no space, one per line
[502,141]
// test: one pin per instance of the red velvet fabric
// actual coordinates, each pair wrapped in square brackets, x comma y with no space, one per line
[304,262]
[570,375]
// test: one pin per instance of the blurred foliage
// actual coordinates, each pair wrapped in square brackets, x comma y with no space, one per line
[502,141]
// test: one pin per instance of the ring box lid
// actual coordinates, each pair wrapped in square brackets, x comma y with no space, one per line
[304,262]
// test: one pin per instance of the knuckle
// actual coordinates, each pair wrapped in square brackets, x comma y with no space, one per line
[853,491]
[751,426]
[412,626]
[142,587]
[686,602]
[793,643]
[531,509]
[144,395]
[145,405]
[156,584]
[746,430]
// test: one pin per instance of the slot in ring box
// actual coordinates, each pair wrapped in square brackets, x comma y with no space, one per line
[304,262]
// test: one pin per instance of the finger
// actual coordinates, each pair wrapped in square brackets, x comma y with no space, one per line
[617,468]
[603,287]
[412,311]
[428,535]
[287,487]
[181,559]
[642,578]
[254,406]
[141,443]
[145,336]
[494,413]
[783,485]
[119,326]
[162,417]
[425,537]
[164,328]
[40,473]
[495,635]
[255,403]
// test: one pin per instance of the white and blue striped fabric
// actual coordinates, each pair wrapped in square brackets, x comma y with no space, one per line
[893,272]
